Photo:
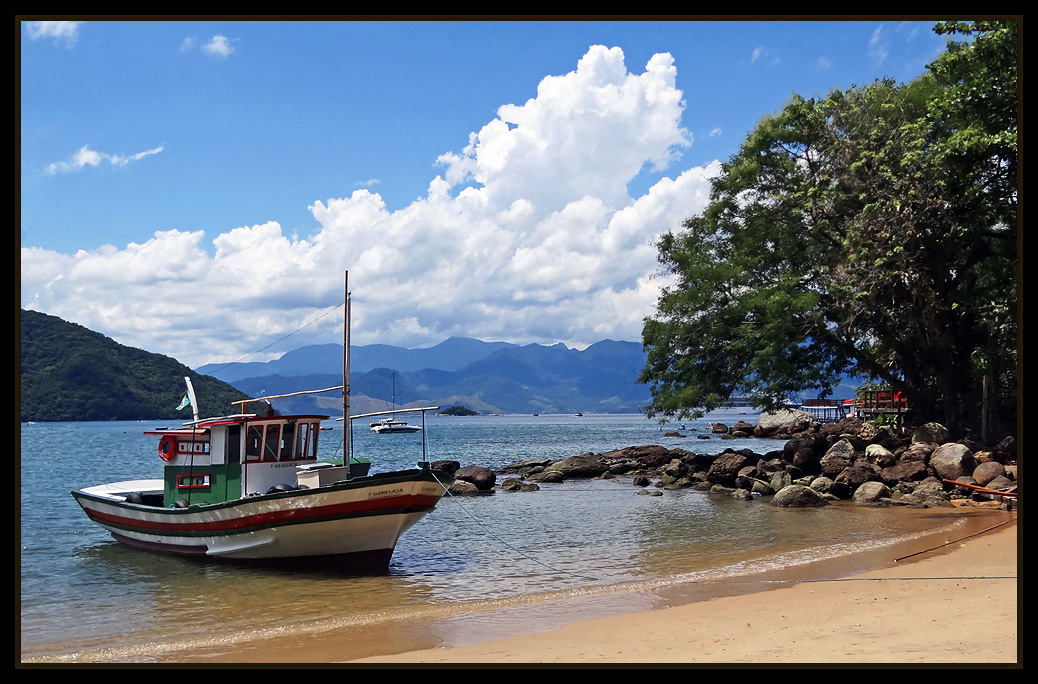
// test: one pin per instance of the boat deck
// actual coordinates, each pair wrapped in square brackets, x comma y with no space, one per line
[119,490]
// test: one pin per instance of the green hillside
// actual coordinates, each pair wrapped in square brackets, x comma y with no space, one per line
[71,373]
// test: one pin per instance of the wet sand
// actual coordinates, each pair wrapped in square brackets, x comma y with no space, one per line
[948,605]
[942,598]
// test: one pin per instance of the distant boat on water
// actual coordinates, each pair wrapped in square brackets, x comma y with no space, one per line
[390,425]
[387,425]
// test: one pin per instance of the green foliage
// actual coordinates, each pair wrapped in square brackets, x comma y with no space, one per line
[71,373]
[887,420]
[458,411]
[869,388]
[871,232]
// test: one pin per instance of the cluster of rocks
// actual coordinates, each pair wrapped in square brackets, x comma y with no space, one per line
[819,463]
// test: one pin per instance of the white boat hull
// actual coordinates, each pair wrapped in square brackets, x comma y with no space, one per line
[357,522]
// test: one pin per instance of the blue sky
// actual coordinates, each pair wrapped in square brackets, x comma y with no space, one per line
[197,188]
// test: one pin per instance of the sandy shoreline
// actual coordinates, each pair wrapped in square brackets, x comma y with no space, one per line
[956,605]
[946,597]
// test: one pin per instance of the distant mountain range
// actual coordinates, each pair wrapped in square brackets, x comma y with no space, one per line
[70,373]
[490,377]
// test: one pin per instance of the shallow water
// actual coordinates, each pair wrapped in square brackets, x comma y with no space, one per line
[476,567]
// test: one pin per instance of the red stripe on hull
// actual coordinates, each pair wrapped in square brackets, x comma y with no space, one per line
[281,517]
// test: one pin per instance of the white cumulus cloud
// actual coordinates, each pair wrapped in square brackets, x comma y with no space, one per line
[219,46]
[529,234]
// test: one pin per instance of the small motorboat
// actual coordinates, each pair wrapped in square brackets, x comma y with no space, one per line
[387,425]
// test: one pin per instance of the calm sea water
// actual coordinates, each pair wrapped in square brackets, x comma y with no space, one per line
[85,597]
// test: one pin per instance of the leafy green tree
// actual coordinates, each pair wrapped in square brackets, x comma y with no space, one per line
[871,232]
[70,373]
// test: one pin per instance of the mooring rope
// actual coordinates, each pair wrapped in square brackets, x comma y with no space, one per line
[498,538]
[955,541]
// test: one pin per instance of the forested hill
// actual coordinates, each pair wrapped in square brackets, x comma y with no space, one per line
[71,373]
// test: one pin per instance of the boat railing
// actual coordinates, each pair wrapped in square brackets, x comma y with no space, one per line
[390,411]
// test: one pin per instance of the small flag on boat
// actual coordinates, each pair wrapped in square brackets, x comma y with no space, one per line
[184,402]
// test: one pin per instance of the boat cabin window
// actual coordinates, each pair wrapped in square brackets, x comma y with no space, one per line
[281,442]
[254,443]
[272,443]
[189,447]
[307,441]
[289,444]
[233,444]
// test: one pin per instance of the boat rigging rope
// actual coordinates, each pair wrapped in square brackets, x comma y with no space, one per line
[281,339]
[495,536]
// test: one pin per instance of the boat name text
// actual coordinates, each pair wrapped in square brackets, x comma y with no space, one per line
[385,492]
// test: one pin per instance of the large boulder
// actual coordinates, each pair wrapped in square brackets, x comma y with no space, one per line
[1006,449]
[986,472]
[795,496]
[1002,484]
[514,484]
[851,478]
[742,426]
[463,488]
[806,448]
[905,470]
[726,468]
[851,425]
[648,457]
[482,478]
[919,451]
[839,457]
[588,465]
[528,467]
[822,484]
[951,461]
[449,467]
[880,455]
[871,493]
[549,476]
[673,471]
[784,422]
[931,432]
[931,492]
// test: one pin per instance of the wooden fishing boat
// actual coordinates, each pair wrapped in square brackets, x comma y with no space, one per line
[249,487]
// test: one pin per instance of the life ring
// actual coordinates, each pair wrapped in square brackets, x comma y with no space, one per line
[168,448]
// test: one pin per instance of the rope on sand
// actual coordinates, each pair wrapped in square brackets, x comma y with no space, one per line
[934,548]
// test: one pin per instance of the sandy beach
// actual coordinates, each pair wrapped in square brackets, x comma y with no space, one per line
[957,604]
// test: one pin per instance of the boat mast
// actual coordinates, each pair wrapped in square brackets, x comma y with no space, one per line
[347,425]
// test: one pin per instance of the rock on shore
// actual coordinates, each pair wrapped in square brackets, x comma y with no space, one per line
[815,464]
